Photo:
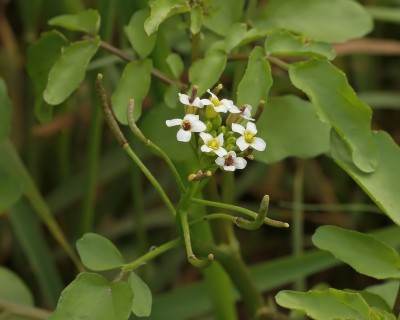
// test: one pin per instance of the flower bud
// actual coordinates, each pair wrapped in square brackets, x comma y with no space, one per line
[217,121]
[208,125]
[221,129]
[230,140]
[210,112]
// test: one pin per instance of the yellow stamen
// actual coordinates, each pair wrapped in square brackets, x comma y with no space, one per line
[215,102]
[249,137]
[213,144]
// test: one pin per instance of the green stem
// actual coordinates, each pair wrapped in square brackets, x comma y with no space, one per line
[271,222]
[151,255]
[227,196]
[23,310]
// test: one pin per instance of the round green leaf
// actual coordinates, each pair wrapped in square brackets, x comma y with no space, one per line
[134,84]
[69,70]
[142,298]
[284,43]
[91,296]
[256,81]
[162,10]
[42,55]
[291,129]
[175,63]
[142,43]
[86,21]
[329,304]
[336,103]
[363,252]
[5,112]
[98,253]
[234,38]
[13,289]
[206,72]
[10,192]
[383,184]
[324,20]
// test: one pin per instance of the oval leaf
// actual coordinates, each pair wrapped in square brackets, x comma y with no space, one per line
[162,10]
[86,21]
[323,20]
[284,43]
[13,289]
[383,184]
[5,112]
[175,63]
[234,38]
[291,129]
[91,296]
[42,55]
[206,72]
[257,80]
[142,43]
[142,298]
[69,70]
[330,304]
[98,253]
[336,103]
[134,84]
[365,253]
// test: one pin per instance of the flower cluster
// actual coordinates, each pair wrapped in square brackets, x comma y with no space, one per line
[204,116]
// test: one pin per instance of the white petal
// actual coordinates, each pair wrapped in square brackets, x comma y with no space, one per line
[212,94]
[220,161]
[183,135]
[184,98]
[240,163]
[221,108]
[232,154]
[248,118]
[234,109]
[173,122]
[205,136]
[251,126]
[197,103]
[238,128]
[220,139]
[259,144]
[241,143]
[205,148]
[191,117]
[229,168]
[197,126]
[220,152]
[205,102]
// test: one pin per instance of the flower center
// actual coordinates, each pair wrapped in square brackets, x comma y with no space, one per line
[229,160]
[249,137]
[215,102]
[213,144]
[186,125]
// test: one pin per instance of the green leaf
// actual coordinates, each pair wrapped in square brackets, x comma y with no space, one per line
[222,14]
[91,296]
[285,43]
[323,20]
[372,299]
[5,112]
[291,129]
[10,192]
[170,96]
[134,84]
[365,253]
[383,184]
[69,70]
[379,314]
[336,103]
[142,43]
[162,10]
[206,72]
[386,14]
[234,38]
[387,290]
[196,19]
[98,253]
[256,81]
[42,55]
[175,63]
[142,298]
[328,304]
[86,21]
[13,289]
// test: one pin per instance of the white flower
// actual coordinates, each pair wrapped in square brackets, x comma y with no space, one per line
[245,112]
[248,138]
[230,162]
[213,144]
[223,105]
[197,102]
[190,123]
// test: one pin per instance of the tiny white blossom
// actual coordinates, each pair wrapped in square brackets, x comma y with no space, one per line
[213,144]
[197,102]
[223,105]
[230,162]
[248,138]
[245,112]
[190,123]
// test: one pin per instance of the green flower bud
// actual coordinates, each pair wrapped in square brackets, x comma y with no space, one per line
[221,129]
[230,140]
[208,125]
[210,112]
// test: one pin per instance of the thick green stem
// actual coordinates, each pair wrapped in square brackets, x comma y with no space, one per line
[227,196]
